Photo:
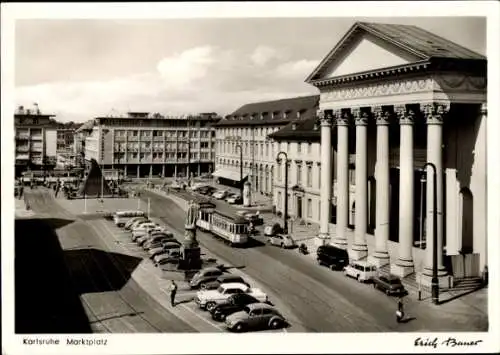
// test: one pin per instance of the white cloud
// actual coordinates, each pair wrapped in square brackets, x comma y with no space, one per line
[200,79]
[263,54]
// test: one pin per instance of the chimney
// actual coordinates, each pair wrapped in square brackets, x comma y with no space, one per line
[20,110]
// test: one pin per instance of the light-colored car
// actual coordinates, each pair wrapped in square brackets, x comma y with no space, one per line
[281,240]
[144,226]
[220,195]
[138,223]
[361,270]
[234,199]
[134,220]
[209,299]
[167,257]
[256,315]
[272,229]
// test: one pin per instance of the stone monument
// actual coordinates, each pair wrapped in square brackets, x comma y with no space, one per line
[190,250]
[247,199]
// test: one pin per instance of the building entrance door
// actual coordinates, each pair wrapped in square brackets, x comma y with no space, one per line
[299,207]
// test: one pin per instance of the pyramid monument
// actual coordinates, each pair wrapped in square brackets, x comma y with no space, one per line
[94,183]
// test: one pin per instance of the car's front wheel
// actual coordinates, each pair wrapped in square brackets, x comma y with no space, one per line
[220,317]
[239,327]
[210,306]
[203,286]
[275,324]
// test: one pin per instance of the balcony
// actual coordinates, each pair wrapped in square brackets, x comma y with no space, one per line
[120,139]
[158,138]
[37,137]
[23,137]
[133,138]
[23,148]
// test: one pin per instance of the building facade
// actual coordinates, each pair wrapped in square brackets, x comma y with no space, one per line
[35,140]
[245,134]
[142,144]
[413,115]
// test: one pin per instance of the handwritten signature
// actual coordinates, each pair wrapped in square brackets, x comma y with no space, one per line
[449,342]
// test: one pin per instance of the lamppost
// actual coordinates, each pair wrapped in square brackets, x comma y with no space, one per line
[434,280]
[285,213]
[241,169]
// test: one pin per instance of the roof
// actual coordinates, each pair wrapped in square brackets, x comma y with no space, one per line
[260,305]
[422,44]
[308,129]
[86,126]
[273,112]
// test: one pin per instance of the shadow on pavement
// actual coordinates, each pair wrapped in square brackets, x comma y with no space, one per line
[95,270]
[45,301]
[447,296]
[253,243]
[407,320]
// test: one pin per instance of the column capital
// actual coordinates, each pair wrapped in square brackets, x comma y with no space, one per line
[405,116]
[360,117]
[484,108]
[382,116]
[325,118]
[342,118]
[434,112]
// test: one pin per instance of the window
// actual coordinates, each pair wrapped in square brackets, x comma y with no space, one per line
[309,176]
[299,148]
[279,172]
[279,200]
[319,176]
[267,149]
[309,148]
[309,208]
[299,174]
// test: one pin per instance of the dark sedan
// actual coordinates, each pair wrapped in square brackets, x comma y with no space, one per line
[389,284]
[235,303]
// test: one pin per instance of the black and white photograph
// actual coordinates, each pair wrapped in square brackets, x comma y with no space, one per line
[250,177]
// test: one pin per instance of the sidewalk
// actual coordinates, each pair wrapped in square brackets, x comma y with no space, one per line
[21,211]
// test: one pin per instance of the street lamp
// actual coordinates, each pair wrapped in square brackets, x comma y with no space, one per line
[241,169]
[285,213]
[434,281]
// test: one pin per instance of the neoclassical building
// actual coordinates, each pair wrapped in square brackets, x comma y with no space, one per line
[245,132]
[395,99]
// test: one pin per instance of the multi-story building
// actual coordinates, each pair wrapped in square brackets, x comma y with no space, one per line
[142,144]
[65,140]
[246,132]
[35,139]
[413,119]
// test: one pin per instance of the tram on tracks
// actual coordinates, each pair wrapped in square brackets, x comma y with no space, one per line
[231,228]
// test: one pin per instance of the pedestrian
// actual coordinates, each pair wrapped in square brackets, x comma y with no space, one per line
[173,291]
[400,312]
[21,190]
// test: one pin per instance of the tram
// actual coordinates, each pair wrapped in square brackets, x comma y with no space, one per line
[233,229]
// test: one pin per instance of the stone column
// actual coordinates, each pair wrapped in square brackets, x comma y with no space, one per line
[404,264]
[150,171]
[326,173]
[382,213]
[175,170]
[359,248]
[434,114]
[138,171]
[125,172]
[163,170]
[342,179]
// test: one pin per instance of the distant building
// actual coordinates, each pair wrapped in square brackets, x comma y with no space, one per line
[250,127]
[35,139]
[143,144]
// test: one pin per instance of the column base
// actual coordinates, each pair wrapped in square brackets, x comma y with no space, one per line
[322,239]
[402,268]
[379,259]
[425,278]
[358,251]
[339,242]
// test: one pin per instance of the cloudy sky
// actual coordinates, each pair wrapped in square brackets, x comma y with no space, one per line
[78,69]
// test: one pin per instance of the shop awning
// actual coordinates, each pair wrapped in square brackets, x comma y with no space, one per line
[229,174]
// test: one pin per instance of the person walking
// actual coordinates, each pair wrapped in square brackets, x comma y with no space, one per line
[173,291]
[400,312]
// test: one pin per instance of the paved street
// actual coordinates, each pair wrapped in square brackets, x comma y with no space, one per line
[319,299]
[113,302]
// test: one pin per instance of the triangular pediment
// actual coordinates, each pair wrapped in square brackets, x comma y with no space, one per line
[362,51]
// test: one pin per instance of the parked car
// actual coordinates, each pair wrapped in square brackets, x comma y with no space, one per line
[235,303]
[254,218]
[234,199]
[255,315]
[361,270]
[390,284]
[222,279]
[175,185]
[146,229]
[209,299]
[122,217]
[220,195]
[203,276]
[158,240]
[168,258]
[134,220]
[272,229]
[166,248]
[138,223]
[331,256]
[206,190]
[282,240]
